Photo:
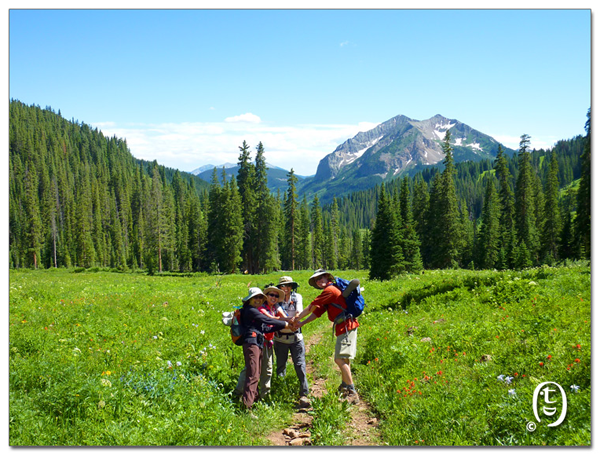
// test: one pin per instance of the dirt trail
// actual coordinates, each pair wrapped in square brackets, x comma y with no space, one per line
[362,429]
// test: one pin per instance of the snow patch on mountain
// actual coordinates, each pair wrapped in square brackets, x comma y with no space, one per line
[359,153]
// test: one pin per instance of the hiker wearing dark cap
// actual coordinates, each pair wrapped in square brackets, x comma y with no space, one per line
[256,325]
[331,301]
[288,341]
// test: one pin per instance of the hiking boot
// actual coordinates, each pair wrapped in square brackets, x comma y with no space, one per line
[342,387]
[304,402]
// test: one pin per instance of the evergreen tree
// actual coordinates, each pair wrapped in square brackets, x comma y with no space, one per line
[526,234]
[215,227]
[233,236]
[552,227]
[318,238]
[267,219]
[335,235]
[32,216]
[291,222]
[386,242]
[507,211]
[411,246]
[489,234]
[304,247]
[583,221]
[420,208]
[447,252]
[247,188]
[356,255]
[567,246]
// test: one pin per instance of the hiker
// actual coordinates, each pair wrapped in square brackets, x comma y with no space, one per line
[345,329]
[256,325]
[270,309]
[291,341]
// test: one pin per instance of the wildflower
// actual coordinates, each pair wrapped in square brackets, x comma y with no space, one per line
[500,378]
[577,360]
[541,364]
[549,357]
[169,364]
[578,346]
[178,364]
[201,332]
[106,383]
[508,380]
[574,388]
[512,392]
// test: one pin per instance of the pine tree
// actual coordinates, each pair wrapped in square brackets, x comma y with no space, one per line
[32,216]
[335,235]
[318,239]
[552,227]
[420,208]
[386,247]
[247,188]
[291,222]
[447,252]
[583,221]
[411,246]
[489,233]
[233,224]
[525,223]
[304,247]
[356,254]
[507,211]
[215,225]
[266,253]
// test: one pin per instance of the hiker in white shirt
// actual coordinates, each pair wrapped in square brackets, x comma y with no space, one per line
[290,341]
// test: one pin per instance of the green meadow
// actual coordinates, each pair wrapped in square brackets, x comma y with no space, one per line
[447,357]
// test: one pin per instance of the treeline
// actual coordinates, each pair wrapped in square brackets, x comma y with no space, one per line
[524,220]
[78,198]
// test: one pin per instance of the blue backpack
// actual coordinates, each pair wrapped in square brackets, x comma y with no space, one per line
[355,302]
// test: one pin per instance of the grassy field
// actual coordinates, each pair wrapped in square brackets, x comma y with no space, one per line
[100,358]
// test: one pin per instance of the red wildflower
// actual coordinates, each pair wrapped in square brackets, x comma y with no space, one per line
[577,360]
[541,364]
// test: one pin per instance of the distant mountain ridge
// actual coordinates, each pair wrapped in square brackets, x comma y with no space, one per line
[276,176]
[393,148]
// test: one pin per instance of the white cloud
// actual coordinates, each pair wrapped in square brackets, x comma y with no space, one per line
[187,146]
[344,43]
[513,142]
[244,118]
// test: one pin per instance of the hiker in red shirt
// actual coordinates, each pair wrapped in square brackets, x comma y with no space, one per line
[345,325]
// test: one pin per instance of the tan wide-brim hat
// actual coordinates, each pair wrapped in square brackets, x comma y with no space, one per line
[276,290]
[313,279]
[253,292]
[287,281]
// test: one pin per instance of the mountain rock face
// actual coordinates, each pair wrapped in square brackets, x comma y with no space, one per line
[401,143]
[395,147]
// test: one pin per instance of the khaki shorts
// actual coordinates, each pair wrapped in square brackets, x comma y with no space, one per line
[345,345]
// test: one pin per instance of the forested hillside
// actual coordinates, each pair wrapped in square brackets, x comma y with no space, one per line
[80,199]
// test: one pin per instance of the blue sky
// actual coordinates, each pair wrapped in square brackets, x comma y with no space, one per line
[186,87]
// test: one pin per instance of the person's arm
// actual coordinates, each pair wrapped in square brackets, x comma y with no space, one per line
[311,318]
[307,310]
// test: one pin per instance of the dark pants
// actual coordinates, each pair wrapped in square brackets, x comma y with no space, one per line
[298,358]
[252,358]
